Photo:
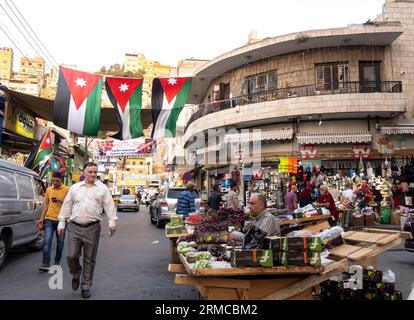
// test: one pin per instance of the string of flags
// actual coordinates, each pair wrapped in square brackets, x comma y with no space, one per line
[77,106]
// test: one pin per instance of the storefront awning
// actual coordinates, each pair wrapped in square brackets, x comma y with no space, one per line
[43,108]
[337,137]
[398,129]
[245,137]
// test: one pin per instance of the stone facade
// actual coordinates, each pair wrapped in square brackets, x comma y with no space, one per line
[345,112]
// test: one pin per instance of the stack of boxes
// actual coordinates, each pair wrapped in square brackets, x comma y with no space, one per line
[374,288]
[295,251]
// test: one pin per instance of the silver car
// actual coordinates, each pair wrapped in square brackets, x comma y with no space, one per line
[166,205]
[128,202]
[21,200]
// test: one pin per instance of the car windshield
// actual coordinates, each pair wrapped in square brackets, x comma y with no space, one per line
[126,197]
[174,193]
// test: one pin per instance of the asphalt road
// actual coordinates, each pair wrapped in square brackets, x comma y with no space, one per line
[130,265]
[133,265]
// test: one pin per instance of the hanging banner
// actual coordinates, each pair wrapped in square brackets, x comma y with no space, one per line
[133,147]
[308,151]
[361,150]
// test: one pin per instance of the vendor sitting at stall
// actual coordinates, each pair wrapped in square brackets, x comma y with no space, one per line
[263,219]
[326,200]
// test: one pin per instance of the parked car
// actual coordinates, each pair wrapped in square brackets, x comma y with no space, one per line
[21,200]
[129,202]
[166,204]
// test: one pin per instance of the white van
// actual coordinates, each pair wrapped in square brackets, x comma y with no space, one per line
[21,200]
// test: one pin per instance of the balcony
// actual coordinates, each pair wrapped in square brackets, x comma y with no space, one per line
[352,98]
[294,92]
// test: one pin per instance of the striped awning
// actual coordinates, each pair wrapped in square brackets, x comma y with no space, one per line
[256,135]
[398,129]
[337,137]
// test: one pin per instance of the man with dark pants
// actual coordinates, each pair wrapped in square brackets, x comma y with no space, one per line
[83,207]
[49,221]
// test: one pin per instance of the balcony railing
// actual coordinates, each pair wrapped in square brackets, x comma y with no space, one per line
[294,92]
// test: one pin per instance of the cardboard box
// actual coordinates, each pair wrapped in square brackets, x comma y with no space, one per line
[294,244]
[395,218]
[302,258]
[251,258]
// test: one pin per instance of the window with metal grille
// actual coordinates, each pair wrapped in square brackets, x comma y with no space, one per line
[260,82]
[332,76]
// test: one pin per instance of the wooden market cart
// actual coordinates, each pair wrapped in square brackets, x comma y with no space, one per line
[285,223]
[279,283]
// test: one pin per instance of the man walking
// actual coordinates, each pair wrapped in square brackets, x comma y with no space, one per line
[48,222]
[83,207]
[186,200]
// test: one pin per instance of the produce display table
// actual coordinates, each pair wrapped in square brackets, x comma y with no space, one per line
[173,246]
[279,283]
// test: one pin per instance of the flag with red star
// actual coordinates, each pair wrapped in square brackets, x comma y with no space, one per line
[77,106]
[41,153]
[125,95]
[169,95]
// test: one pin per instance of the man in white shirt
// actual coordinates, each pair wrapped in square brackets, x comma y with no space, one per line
[83,208]
[232,198]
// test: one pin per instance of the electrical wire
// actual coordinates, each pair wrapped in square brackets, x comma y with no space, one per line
[34,33]
[11,19]
[34,41]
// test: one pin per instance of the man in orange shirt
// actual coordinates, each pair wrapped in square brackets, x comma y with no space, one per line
[54,198]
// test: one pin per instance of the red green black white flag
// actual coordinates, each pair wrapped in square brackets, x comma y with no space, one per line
[169,95]
[40,153]
[125,95]
[77,105]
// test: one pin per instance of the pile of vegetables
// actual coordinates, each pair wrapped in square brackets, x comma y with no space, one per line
[175,225]
[203,260]
[195,218]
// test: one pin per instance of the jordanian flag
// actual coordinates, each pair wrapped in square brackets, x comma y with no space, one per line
[126,96]
[78,102]
[41,153]
[169,95]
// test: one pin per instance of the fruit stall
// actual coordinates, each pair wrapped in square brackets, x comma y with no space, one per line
[290,266]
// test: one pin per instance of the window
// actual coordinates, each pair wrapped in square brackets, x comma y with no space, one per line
[261,82]
[370,76]
[7,185]
[25,187]
[332,76]
[40,188]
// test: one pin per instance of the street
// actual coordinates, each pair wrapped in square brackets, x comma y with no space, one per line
[129,266]
[133,265]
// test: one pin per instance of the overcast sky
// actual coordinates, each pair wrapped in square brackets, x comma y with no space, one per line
[90,34]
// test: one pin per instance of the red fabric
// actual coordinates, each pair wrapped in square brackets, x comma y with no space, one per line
[327,198]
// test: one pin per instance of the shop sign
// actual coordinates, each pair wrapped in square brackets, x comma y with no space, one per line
[385,146]
[308,151]
[131,147]
[361,150]
[19,122]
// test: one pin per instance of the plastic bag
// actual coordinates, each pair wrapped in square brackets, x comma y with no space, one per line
[385,215]
[370,171]
[388,276]
[254,239]
[300,233]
